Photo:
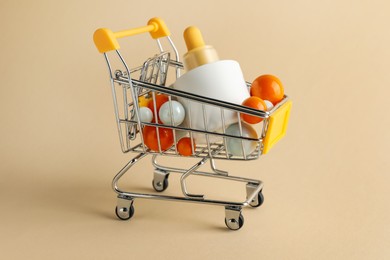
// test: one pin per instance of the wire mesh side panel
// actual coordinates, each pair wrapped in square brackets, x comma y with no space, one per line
[126,97]
[231,140]
[155,69]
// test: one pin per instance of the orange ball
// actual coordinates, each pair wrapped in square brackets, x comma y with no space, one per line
[149,134]
[267,87]
[160,100]
[184,146]
[256,103]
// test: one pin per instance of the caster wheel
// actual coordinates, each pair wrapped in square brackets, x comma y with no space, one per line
[233,224]
[257,201]
[124,213]
[160,186]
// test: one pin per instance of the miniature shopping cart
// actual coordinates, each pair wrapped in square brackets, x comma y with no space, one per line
[130,85]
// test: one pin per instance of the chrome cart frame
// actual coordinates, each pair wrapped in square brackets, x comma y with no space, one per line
[130,84]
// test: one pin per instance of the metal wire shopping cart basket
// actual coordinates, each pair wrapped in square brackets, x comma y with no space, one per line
[130,85]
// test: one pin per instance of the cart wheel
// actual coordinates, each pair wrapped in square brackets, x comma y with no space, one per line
[258,201]
[124,213]
[234,224]
[160,186]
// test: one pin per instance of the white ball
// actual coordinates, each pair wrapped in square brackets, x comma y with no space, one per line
[145,114]
[235,145]
[268,104]
[177,116]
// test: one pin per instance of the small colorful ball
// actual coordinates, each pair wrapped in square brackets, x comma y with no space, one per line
[236,145]
[150,137]
[145,114]
[159,100]
[268,104]
[256,103]
[268,87]
[184,146]
[176,117]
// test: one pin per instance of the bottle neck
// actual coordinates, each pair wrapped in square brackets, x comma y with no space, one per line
[199,56]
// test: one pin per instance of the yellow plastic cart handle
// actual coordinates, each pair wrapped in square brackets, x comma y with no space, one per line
[106,40]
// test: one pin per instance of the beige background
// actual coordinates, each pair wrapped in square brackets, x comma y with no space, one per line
[326,184]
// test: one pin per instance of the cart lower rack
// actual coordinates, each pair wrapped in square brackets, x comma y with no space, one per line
[130,87]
